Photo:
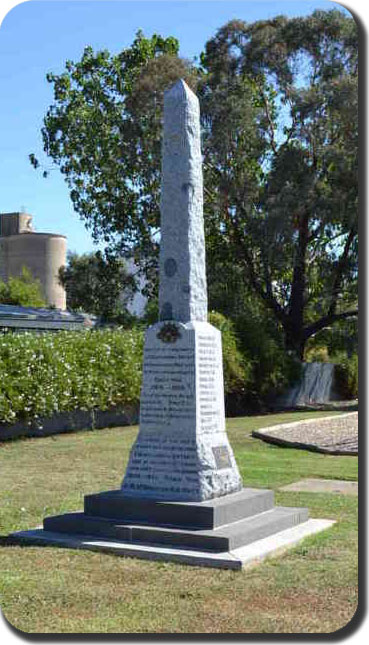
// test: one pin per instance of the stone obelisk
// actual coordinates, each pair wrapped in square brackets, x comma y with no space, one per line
[182,451]
[181,498]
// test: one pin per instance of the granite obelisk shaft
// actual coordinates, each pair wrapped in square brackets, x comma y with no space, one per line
[182,294]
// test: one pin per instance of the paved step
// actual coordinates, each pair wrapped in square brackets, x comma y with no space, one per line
[202,515]
[224,538]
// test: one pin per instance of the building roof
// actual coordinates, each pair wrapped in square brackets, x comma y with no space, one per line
[34,318]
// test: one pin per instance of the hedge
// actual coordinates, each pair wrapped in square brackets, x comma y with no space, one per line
[59,372]
[43,374]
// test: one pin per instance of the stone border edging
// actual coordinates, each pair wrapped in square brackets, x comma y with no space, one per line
[265,435]
[71,421]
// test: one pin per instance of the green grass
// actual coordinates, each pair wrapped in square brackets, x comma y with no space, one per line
[310,589]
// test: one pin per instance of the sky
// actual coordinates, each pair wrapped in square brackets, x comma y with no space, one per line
[38,36]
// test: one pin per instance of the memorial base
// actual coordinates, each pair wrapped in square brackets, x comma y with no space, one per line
[182,452]
[204,533]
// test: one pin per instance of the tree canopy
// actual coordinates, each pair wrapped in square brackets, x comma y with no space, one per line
[293,227]
[98,285]
[278,102]
[22,290]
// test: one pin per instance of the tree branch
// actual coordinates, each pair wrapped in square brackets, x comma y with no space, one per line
[271,125]
[342,262]
[266,295]
[327,320]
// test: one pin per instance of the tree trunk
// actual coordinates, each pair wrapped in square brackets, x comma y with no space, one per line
[294,340]
[294,327]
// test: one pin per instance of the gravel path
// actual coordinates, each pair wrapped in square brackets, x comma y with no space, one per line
[337,435]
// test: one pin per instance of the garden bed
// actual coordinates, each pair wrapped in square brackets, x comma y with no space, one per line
[70,422]
[337,435]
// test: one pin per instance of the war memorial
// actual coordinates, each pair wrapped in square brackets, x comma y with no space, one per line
[182,497]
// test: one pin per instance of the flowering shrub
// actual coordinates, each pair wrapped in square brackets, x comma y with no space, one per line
[41,374]
[64,371]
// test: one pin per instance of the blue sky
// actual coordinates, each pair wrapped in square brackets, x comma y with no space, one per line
[40,35]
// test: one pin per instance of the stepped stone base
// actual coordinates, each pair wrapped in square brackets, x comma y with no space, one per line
[238,558]
[204,533]
[209,514]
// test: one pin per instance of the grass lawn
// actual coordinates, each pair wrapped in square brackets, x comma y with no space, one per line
[312,588]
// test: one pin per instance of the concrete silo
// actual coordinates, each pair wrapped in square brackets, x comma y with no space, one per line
[42,253]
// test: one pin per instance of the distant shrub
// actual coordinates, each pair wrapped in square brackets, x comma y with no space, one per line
[237,370]
[347,373]
[317,355]
[22,290]
[261,343]
[41,374]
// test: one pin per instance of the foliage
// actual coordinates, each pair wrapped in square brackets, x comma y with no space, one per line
[279,117]
[317,354]
[341,338]
[98,285]
[104,132]
[291,221]
[23,290]
[347,372]
[55,372]
[237,370]
[151,312]
[261,341]
[259,336]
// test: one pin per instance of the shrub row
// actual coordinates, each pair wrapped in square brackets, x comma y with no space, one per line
[42,374]
[347,370]
[58,372]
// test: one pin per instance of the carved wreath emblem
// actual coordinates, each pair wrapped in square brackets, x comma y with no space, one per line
[169,333]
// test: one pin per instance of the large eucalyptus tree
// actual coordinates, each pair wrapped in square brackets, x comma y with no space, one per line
[280,144]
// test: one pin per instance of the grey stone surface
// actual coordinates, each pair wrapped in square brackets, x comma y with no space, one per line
[337,486]
[223,538]
[182,293]
[182,450]
[317,385]
[237,558]
[196,515]
[333,435]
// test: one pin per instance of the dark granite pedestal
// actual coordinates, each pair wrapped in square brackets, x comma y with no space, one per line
[217,525]
[226,532]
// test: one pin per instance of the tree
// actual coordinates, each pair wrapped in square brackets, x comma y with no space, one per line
[104,132]
[98,285]
[279,116]
[23,290]
[294,229]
